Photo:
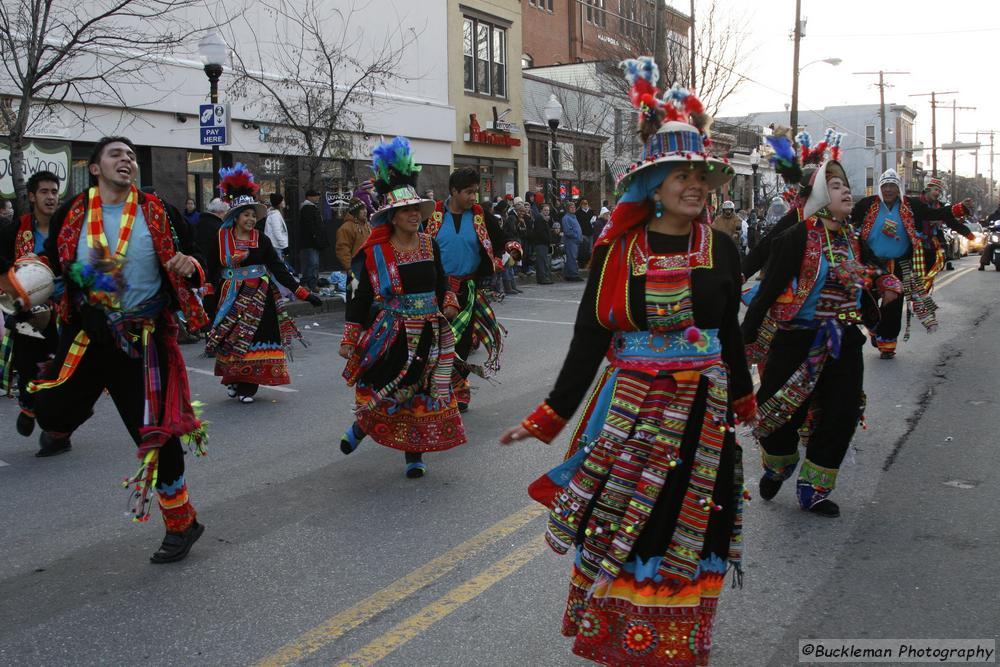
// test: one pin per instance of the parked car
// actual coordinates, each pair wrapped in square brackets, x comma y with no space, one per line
[979,242]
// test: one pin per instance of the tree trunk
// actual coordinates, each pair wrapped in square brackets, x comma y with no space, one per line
[16,142]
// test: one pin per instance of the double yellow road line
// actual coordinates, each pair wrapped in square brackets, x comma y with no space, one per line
[343,622]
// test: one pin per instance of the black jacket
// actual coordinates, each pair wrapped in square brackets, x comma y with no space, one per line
[787,250]
[539,231]
[757,258]
[312,233]
[206,236]
[586,220]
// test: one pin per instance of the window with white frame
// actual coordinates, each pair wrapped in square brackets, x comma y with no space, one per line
[484,48]
[869,136]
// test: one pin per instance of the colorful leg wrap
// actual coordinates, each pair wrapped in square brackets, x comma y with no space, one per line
[778,466]
[815,483]
[178,514]
[352,437]
[885,344]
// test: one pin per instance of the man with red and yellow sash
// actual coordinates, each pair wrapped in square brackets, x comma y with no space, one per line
[470,242]
[892,227]
[126,271]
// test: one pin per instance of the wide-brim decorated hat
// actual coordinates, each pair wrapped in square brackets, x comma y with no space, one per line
[673,125]
[400,198]
[396,180]
[238,189]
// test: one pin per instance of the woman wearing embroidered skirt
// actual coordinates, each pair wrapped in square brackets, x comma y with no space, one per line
[649,497]
[251,333]
[398,341]
[816,291]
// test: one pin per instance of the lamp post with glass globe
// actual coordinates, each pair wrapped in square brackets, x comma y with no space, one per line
[553,114]
[213,52]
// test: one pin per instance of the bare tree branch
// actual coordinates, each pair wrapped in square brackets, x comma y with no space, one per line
[316,75]
[63,55]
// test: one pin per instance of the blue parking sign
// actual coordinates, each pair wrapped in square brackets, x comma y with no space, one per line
[213,121]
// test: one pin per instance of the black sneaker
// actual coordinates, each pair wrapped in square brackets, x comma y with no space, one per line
[49,446]
[769,487]
[826,508]
[887,355]
[25,424]
[981,268]
[176,546]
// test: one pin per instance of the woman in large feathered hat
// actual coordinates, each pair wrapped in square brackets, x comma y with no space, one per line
[251,334]
[649,498]
[821,283]
[398,341]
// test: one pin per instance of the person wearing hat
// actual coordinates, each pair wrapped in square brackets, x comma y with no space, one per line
[891,225]
[351,236]
[472,247]
[728,222]
[126,270]
[251,333]
[398,341]
[820,285]
[649,497]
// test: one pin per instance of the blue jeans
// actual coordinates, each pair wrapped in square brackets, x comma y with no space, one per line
[310,267]
[571,269]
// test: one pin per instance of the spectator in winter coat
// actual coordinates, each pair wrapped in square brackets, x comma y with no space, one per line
[540,238]
[191,213]
[571,243]
[275,227]
[352,234]
[728,222]
[586,217]
[313,237]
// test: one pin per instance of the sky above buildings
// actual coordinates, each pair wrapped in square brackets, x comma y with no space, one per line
[944,46]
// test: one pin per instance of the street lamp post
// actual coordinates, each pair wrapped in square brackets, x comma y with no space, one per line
[213,52]
[553,114]
[794,114]
[754,164]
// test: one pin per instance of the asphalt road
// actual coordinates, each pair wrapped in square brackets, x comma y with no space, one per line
[312,557]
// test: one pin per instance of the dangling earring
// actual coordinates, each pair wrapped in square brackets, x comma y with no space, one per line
[659,209]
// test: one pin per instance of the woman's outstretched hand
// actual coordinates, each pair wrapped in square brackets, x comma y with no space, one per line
[513,435]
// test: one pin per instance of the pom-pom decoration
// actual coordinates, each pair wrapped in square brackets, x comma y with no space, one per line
[393,165]
[237,181]
[677,103]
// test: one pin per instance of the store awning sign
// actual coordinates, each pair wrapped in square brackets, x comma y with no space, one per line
[477,135]
[36,159]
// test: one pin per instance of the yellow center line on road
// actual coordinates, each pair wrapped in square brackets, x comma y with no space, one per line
[450,602]
[955,276]
[343,622]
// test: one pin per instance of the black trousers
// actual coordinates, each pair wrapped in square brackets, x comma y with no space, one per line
[837,396]
[104,366]
[28,353]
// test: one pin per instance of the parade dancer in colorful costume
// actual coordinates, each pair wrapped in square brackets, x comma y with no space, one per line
[892,226]
[252,333]
[31,337]
[472,246]
[398,342]
[931,232]
[649,498]
[126,271]
[817,288]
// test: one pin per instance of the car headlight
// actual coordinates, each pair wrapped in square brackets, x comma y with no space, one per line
[994,238]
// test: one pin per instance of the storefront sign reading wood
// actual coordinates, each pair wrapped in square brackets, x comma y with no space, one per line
[477,135]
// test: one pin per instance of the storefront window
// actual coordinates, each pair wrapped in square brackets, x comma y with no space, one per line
[497,178]
[199,179]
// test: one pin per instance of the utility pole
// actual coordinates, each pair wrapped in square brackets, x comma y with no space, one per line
[933,95]
[659,45]
[793,119]
[954,139]
[694,79]
[881,107]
